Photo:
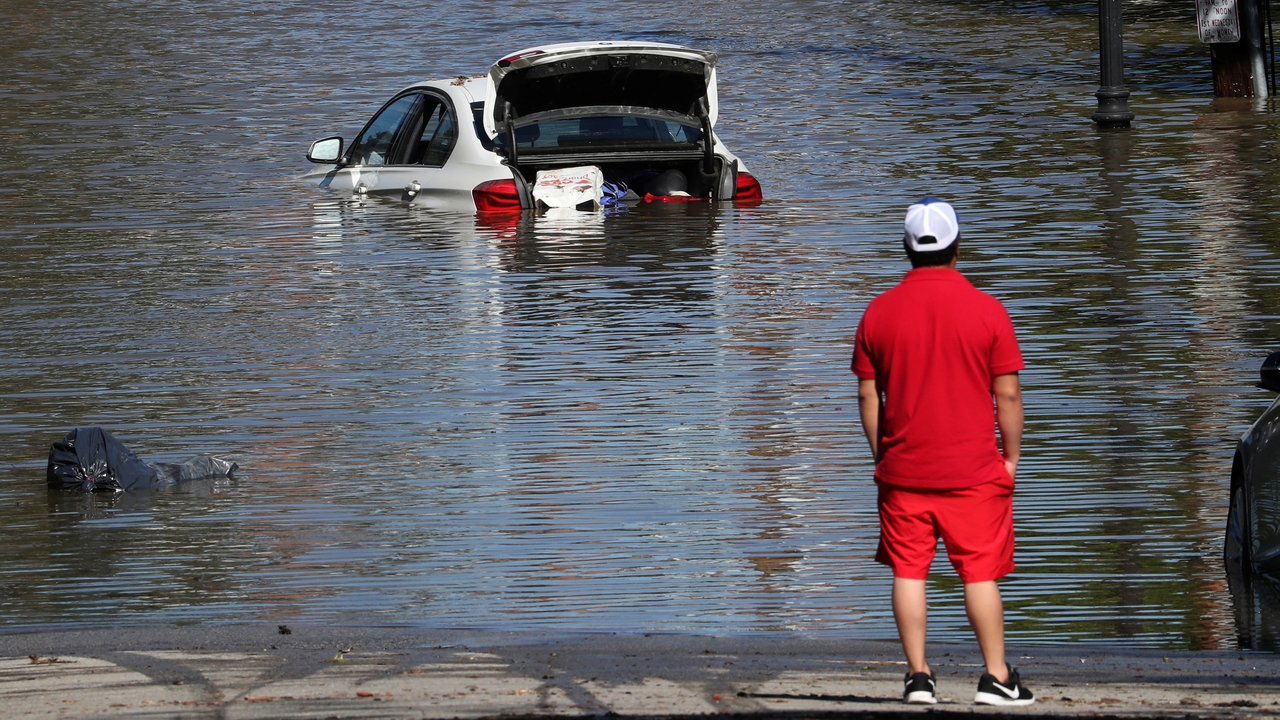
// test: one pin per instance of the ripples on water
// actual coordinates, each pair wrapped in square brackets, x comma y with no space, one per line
[636,423]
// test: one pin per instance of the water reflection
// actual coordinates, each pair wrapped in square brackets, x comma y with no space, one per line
[97,553]
[1256,602]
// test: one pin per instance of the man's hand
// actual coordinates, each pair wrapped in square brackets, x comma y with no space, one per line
[1008,394]
[1011,467]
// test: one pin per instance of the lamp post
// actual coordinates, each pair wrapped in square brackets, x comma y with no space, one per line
[1113,97]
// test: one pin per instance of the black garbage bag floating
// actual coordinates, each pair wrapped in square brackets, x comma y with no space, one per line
[93,460]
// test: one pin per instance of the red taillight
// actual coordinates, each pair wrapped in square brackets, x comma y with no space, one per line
[504,62]
[747,190]
[497,196]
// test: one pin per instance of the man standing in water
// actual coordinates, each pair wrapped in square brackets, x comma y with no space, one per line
[930,355]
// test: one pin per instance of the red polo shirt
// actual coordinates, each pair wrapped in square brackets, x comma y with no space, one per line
[933,344]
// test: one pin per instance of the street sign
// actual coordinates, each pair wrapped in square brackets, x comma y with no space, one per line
[1218,21]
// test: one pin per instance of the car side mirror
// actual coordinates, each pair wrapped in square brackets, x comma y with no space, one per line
[1270,373]
[325,151]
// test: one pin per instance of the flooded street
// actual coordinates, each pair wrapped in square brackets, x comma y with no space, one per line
[636,423]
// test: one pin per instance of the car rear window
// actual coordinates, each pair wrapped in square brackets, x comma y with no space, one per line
[602,132]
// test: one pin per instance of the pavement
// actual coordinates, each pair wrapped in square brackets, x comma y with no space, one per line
[275,671]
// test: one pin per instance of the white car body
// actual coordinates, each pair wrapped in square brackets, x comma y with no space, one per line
[633,109]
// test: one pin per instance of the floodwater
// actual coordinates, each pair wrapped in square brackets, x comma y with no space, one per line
[635,423]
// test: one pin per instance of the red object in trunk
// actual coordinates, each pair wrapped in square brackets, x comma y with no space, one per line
[651,198]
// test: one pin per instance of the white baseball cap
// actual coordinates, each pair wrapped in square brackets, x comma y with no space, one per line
[930,225]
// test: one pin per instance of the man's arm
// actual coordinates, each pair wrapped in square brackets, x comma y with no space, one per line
[869,413]
[1009,418]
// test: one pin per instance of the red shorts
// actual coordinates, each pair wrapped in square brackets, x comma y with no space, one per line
[975,523]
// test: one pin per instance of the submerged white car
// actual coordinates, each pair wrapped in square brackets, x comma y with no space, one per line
[638,117]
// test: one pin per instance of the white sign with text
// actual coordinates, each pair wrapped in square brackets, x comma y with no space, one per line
[1218,21]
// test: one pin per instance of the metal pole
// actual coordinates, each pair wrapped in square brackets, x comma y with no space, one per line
[1113,97]
[1271,48]
[1252,25]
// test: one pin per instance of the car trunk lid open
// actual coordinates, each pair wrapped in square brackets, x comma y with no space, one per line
[635,111]
[656,76]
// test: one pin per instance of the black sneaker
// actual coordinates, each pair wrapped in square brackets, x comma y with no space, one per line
[918,689]
[993,692]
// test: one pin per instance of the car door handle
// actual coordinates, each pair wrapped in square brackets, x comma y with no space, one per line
[411,192]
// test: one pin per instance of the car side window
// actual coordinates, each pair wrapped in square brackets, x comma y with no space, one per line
[375,144]
[438,135]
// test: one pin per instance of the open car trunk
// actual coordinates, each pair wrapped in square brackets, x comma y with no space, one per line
[638,147]
[634,110]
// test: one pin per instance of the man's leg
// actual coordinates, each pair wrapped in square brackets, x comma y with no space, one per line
[986,615]
[910,610]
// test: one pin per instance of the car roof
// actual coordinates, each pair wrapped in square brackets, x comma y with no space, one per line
[479,88]
[473,87]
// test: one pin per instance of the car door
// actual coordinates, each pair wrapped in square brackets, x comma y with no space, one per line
[377,146]
[404,151]
[422,173]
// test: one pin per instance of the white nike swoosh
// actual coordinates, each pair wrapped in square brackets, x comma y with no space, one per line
[1011,692]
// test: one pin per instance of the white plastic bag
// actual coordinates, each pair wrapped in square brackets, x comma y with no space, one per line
[569,187]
